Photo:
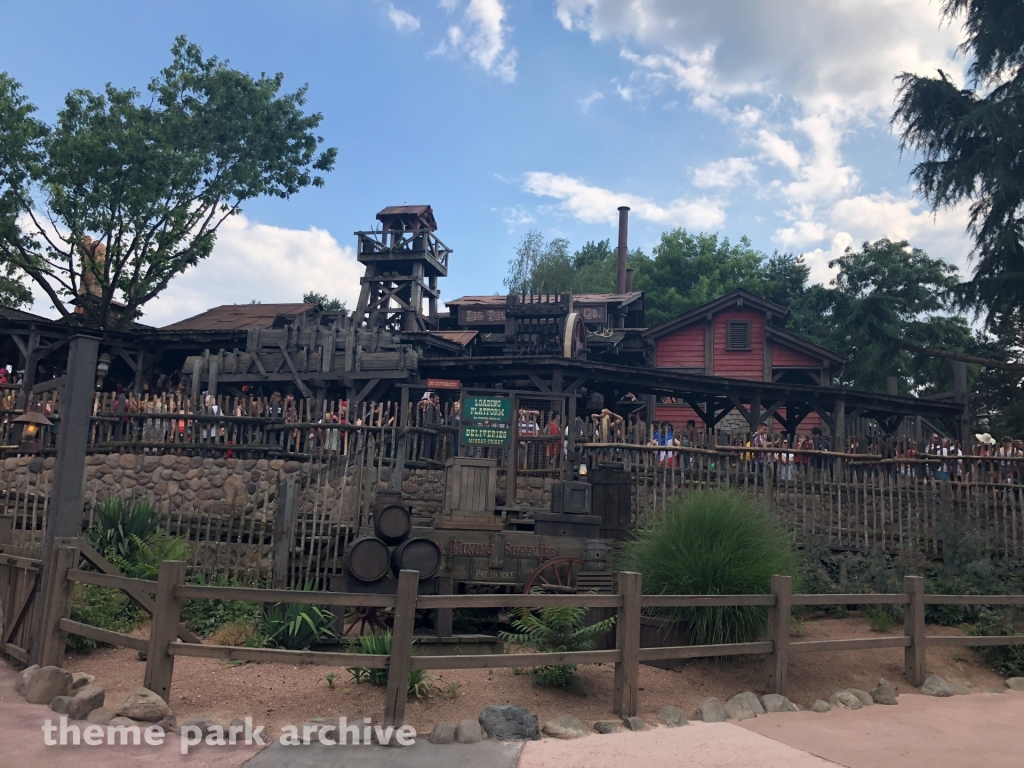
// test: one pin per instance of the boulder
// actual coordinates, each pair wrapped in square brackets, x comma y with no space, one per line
[85,701]
[101,716]
[884,693]
[468,732]
[206,725]
[443,733]
[634,723]
[936,686]
[564,727]
[737,710]
[169,724]
[125,721]
[958,689]
[774,702]
[750,701]
[820,706]
[142,704]
[843,699]
[60,704]
[1015,683]
[864,696]
[22,679]
[710,711]
[46,684]
[673,717]
[507,723]
[603,726]
[80,680]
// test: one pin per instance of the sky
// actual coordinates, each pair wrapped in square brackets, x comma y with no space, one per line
[760,118]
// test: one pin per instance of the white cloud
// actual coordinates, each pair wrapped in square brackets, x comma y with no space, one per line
[724,173]
[262,262]
[482,36]
[449,5]
[595,204]
[586,103]
[516,216]
[819,258]
[403,20]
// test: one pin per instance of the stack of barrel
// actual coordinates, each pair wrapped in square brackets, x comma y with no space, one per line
[391,549]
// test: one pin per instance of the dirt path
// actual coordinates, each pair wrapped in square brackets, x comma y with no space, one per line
[275,694]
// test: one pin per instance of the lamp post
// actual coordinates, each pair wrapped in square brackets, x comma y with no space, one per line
[32,421]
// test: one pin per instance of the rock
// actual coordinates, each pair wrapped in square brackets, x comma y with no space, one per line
[820,706]
[126,721]
[634,723]
[468,732]
[884,693]
[845,700]
[1015,683]
[206,725]
[737,710]
[291,466]
[46,684]
[143,704]
[443,733]
[142,655]
[564,727]
[101,716]
[22,679]
[673,717]
[958,689]
[864,696]
[170,724]
[710,711]
[603,726]
[85,701]
[508,723]
[80,680]
[773,702]
[750,701]
[995,689]
[60,704]
[126,461]
[936,686]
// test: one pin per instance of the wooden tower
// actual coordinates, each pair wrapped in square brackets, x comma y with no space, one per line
[403,262]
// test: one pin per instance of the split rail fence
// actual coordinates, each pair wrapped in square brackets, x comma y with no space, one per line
[629,603]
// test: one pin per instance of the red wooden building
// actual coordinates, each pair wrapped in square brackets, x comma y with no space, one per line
[738,336]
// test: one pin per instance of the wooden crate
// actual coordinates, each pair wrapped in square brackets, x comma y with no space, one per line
[470,486]
[583,526]
[469,523]
[571,498]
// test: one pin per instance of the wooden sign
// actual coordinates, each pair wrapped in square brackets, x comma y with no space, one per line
[487,410]
[495,437]
[444,384]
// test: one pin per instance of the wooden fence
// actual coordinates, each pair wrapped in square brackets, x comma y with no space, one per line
[629,604]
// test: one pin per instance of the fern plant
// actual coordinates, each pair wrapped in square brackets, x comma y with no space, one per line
[555,630]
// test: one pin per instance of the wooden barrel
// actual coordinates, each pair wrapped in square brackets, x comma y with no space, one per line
[421,555]
[392,524]
[595,555]
[366,559]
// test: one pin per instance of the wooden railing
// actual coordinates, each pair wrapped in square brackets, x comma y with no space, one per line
[629,603]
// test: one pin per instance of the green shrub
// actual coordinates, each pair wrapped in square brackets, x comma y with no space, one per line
[712,543]
[555,630]
[120,521]
[1008,660]
[880,618]
[375,644]
[207,616]
[295,627]
[104,608]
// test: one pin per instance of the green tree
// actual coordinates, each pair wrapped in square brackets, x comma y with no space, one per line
[969,141]
[150,179]
[329,305]
[540,265]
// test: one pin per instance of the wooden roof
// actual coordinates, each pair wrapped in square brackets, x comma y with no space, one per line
[736,298]
[239,317]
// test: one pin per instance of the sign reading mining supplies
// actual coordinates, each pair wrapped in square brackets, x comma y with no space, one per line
[487,410]
[496,437]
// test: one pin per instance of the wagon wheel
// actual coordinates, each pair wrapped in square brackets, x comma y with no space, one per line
[357,620]
[557,576]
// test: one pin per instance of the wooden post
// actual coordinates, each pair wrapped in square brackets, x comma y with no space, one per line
[401,649]
[913,627]
[402,443]
[57,604]
[627,640]
[777,663]
[7,530]
[164,628]
[443,616]
[284,532]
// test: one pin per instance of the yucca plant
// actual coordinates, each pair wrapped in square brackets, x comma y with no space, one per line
[121,524]
[295,627]
[555,630]
[420,684]
[712,543]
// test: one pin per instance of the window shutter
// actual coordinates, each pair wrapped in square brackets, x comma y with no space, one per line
[739,335]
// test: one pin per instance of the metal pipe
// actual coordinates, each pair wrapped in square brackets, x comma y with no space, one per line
[620,282]
[629,280]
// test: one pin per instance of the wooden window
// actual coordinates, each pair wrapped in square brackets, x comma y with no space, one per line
[737,336]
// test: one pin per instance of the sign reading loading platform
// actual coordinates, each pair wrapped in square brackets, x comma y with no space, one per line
[487,410]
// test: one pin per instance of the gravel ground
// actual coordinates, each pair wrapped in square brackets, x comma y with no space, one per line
[276,694]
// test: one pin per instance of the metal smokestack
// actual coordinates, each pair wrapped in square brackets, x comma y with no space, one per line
[620,282]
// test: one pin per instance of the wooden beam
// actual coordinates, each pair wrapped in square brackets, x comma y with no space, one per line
[288,359]
[540,384]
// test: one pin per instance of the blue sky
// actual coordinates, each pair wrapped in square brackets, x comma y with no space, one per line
[765,118]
